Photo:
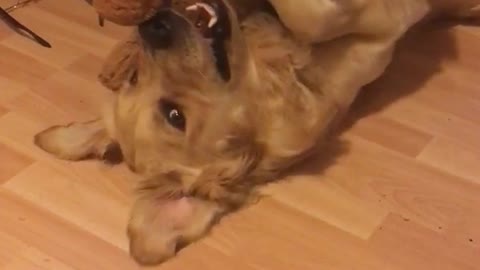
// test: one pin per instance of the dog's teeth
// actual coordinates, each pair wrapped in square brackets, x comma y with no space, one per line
[212,22]
[211,11]
[192,7]
[208,9]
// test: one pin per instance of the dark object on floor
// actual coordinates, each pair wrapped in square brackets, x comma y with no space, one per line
[20,28]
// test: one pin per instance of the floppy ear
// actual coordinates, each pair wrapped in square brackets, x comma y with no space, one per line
[164,220]
[79,141]
[175,208]
[121,65]
[227,182]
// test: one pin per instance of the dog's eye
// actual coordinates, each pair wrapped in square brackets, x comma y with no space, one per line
[173,114]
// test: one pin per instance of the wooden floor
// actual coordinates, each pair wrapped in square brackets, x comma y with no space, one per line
[399,189]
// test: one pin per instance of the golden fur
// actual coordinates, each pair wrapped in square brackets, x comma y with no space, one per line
[291,83]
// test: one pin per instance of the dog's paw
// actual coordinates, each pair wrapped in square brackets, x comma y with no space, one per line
[79,141]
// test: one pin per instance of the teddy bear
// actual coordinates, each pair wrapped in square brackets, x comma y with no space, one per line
[134,12]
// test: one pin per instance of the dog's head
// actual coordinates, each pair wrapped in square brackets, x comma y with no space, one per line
[180,120]
[176,86]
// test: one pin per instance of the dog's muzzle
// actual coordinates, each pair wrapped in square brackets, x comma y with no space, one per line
[160,31]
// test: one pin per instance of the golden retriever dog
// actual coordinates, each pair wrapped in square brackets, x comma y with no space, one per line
[208,109]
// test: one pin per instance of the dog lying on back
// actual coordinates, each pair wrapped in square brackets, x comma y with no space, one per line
[207,115]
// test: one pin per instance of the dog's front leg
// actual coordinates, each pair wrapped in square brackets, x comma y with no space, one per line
[319,20]
[324,20]
[341,68]
[78,141]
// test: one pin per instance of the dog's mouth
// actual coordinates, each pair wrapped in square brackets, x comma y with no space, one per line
[210,18]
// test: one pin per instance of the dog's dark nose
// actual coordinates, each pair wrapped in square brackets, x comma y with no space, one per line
[157,31]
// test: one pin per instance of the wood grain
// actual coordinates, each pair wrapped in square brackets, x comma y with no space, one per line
[398,189]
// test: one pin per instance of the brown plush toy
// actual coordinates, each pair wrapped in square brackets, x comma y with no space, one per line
[134,12]
[128,12]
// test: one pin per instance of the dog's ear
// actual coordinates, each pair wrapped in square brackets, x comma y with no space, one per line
[229,181]
[230,138]
[121,65]
[79,141]
[163,220]
[177,208]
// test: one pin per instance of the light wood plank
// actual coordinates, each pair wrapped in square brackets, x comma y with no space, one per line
[410,246]
[11,163]
[57,237]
